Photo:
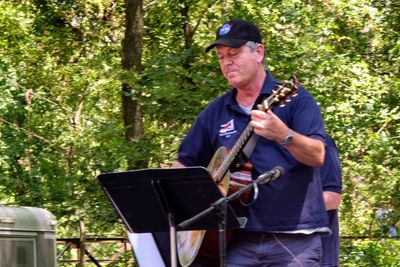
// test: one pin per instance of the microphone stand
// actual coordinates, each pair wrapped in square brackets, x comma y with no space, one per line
[220,207]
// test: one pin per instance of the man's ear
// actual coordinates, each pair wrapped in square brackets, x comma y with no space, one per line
[260,53]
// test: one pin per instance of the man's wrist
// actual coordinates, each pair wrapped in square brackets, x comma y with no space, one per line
[288,138]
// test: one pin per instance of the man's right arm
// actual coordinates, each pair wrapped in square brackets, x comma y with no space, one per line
[221,187]
[177,164]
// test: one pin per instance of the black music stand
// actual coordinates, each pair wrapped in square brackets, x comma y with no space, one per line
[157,200]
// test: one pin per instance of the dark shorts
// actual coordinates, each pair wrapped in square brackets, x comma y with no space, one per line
[274,250]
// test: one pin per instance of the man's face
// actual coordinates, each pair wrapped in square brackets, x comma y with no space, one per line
[238,65]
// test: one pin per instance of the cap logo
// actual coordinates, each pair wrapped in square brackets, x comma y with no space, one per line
[225,29]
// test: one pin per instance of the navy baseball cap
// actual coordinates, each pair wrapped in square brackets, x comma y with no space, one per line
[236,33]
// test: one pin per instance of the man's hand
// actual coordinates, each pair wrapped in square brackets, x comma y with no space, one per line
[268,125]
[222,189]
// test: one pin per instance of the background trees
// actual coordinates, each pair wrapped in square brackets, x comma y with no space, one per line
[65,74]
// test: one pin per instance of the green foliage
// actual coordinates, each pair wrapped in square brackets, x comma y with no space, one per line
[56,85]
[60,98]
[365,253]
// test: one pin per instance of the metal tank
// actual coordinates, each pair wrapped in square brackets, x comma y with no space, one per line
[27,237]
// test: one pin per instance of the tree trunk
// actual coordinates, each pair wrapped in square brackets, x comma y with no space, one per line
[82,243]
[131,58]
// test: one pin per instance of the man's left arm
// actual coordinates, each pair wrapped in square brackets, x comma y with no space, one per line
[304,149]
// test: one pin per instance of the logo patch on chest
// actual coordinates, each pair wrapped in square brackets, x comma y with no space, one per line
[227,129]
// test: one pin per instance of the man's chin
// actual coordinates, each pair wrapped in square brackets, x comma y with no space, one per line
[233,80]
[235,84]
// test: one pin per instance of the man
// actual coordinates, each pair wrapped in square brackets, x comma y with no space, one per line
[288,217]
[331,177]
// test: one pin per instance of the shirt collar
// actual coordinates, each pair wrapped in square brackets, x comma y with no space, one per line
[269,84]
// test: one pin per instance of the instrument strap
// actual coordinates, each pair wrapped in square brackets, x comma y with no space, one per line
[250,145]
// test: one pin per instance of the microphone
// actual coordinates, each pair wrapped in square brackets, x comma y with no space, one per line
[270,176]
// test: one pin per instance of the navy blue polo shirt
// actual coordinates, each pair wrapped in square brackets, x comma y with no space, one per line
[292,202]
[331,177]
[331,171]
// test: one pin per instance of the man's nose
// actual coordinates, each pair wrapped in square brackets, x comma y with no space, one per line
[226,61]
